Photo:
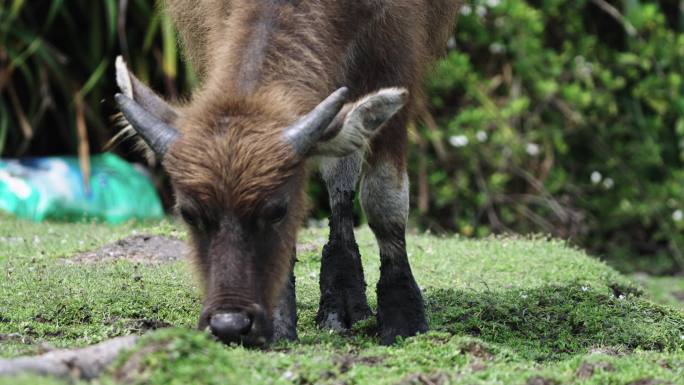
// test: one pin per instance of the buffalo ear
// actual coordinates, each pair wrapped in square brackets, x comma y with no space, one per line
[358,123]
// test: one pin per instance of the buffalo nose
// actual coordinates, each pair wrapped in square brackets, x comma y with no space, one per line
[229,327]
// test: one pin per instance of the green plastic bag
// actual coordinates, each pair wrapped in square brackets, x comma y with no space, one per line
[52,188]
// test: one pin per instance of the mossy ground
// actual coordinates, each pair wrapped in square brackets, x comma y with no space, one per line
[502,311]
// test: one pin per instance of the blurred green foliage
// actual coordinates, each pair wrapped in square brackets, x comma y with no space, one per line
[556,116]
[54,53]
[562,117]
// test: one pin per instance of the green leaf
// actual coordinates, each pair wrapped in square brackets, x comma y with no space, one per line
[170,52]
[94,78]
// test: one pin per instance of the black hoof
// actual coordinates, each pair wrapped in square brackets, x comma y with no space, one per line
[401,311]
[400,325]
[343,289]
[341,313]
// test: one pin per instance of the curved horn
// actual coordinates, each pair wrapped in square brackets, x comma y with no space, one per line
[305,133]
[157,134]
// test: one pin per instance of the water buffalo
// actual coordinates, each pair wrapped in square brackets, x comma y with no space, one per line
[287,83]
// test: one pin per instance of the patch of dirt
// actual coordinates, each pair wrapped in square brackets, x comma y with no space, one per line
[15,337]
[144,325]
[152,249]
[667,365]
[138,325]
[587,370]
[146,249]
[347,361]
[476,350]
[607,350]
[425,379]
[41,319]
[54,334]
[648,381]
[32,347]
[624,290]
[539,380]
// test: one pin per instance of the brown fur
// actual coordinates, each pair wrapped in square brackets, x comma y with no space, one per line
[231,159]
[263,63]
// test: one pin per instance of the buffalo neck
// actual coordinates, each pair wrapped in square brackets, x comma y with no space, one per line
[293,48]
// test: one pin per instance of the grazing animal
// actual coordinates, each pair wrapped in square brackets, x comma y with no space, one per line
[284,82]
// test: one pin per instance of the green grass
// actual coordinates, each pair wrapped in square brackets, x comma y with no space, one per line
[502,311]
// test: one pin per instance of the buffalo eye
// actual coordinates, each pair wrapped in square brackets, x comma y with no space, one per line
[275,213]
[188,217]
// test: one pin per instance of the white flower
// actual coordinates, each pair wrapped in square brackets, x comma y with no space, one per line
[497,48]
[493,3]
[596,177]
[288,375]
[459,141]
[677,216]
[532,149]
[481,11]
[451,43]
[583,68]
[585,288]
[608,183]
[523,296]
[466,10]
[482,136]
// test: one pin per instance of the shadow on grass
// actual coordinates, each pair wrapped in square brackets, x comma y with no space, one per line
[554,322]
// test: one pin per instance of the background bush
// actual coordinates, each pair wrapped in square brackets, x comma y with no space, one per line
[564,117]
[56,53]
[556,116]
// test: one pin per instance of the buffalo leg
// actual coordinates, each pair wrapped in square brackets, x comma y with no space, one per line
[343,288]
[385,200]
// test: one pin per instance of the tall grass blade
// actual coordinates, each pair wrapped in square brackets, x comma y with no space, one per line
[95,77]
[83,145]
[169,46]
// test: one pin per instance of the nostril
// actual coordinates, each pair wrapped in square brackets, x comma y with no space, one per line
[230,325]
